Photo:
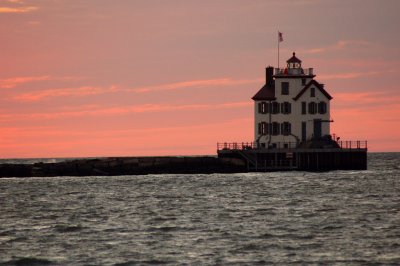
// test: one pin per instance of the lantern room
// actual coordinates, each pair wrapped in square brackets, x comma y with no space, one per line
[294,65]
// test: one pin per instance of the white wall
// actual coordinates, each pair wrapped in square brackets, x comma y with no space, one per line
[295,117]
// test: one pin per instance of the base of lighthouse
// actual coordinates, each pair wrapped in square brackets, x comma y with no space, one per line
[352,157]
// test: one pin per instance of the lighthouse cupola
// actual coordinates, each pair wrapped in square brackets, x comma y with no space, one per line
[294,65]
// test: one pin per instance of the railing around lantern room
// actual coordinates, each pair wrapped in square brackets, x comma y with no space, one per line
[294,71]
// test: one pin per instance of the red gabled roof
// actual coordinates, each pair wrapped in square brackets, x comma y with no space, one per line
[266,93]
[318,85]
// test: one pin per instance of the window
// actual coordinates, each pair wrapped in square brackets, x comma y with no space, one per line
[322,108]
[286,128]
[303,108]
[262,128]
[262,108]
[286,108]
[275,108]
[275,128]
[266,108]
[312,94]
[303,82]
[285,88]
[312,108]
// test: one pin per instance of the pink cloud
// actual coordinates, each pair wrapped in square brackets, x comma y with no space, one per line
[13,82]
[365,100]
[81,91]
[55,142]
[89,90]
[146,108]
[197,84]
[351,75]
[368,116]
[341,44]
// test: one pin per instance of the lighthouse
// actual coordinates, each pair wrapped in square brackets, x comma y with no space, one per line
[292,127]
[292,108]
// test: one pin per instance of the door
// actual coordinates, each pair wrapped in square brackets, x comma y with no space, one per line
[303,131]
[317,128]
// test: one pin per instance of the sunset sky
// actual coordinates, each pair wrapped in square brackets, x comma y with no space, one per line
[155,77]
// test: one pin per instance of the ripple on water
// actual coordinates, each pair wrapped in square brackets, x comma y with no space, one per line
[338,217]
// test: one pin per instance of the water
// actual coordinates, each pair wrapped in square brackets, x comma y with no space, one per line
[338,217]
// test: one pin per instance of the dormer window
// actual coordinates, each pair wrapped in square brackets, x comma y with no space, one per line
[285,88]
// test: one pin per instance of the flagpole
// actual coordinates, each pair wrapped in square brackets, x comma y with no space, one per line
[278,49]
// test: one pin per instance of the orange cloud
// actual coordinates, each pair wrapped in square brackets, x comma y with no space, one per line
[25,9]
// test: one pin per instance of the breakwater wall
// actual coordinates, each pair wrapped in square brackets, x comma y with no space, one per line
[127,166]
[260,160]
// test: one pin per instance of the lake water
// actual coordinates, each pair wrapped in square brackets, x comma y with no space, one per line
[338,217]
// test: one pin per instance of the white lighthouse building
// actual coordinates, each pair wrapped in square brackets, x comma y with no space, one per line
[291,108]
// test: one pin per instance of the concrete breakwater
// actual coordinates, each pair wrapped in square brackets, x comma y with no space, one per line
[126,166]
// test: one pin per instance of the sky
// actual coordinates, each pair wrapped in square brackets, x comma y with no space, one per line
[90,78]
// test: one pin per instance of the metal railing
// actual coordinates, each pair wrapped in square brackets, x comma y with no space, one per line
[253,145]
[352,145]
[294,71]
[344,144]
[236,146]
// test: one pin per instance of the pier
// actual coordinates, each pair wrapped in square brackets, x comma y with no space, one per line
[319,156]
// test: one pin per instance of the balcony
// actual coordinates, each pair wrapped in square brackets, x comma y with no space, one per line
[294,72]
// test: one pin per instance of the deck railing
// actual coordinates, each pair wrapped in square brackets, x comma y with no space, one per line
[353,145]
[253,145]
[294,71]
[236,146]
[344,144]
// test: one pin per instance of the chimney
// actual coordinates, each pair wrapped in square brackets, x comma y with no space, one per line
[268,77]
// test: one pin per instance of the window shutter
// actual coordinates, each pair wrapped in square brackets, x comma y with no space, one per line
[276,107]
[289,128]
[259,129]
[259,108]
